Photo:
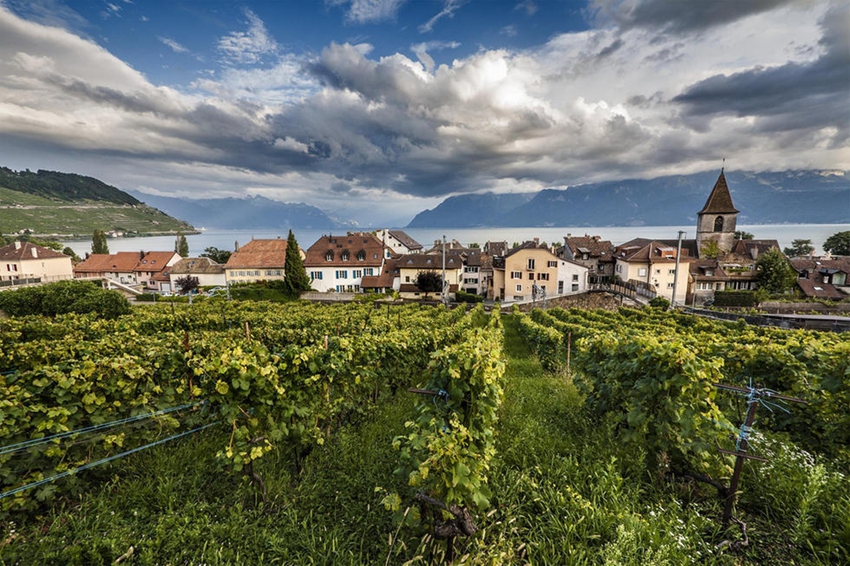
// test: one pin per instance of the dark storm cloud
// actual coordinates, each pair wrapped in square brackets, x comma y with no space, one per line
[793,96]
[676,16]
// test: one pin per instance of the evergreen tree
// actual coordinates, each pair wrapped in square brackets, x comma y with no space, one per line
[98,243]
[295,276]
[181,246]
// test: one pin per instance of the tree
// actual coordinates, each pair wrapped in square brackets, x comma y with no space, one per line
[710,249]
[799,248]
[186,284]
[775,274]
[294,274]
[743,235]
[429,282]
[217,255]
[98,243]
[68,251]
[181,246]
[838,243]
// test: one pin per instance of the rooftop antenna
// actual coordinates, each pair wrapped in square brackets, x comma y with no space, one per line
[722,167]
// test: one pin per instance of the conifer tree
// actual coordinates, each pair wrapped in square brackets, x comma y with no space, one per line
[181,246]
[98,243]
[295,276]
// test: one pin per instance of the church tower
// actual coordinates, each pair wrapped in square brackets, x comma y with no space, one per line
[717,219]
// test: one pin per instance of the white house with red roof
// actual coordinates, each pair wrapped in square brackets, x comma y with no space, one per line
[25,260]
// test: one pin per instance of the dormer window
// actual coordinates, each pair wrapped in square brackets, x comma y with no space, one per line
[361,255]
[345,256]
[329,256]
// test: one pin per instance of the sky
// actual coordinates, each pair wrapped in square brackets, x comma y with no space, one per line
[374,110]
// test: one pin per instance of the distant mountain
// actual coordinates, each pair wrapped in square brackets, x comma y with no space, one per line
[241,213]
[63,186]
[790,197]
[471,211]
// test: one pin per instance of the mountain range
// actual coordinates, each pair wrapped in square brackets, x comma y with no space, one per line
[789,197]
[240,213]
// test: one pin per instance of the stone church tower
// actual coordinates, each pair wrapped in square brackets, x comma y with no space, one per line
[717,219]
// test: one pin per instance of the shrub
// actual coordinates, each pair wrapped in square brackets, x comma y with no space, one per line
[660,303]
[64,297]
[735,299]
[464,297]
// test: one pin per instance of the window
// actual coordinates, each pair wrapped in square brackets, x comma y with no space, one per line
[358,273]
[584,257]
[671,272]
[575,287]
[315,275]
[600,268]
[342,274]
[642,272]
[519,288]
[329,256]
[516,275]
[345,256]
[669,285]
[531,263]
[543,277]
[368,271]
[407,278]
[575,277]
[718,224]
[560,287]
[531,276]
[552,264]
[658,272]
[718,286]
[361,255]
[619,268]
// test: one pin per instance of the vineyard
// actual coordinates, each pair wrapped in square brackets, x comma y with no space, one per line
[248,432]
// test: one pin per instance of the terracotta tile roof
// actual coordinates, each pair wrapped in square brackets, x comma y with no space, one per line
[196,265]
[354,245]
[384,280]
[260,254]
[164,276]
[643,249]
[25,252]
[594,246]
[815,264]
[819,290]
[406,240]
[752,249]
[496,248]
[720,200]
[120,262]
[154,261]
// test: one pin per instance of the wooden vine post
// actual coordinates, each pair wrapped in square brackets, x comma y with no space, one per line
[569,347]
[755,396]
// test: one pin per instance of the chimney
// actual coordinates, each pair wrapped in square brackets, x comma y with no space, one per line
[536,241]
[34,252]
[17,244]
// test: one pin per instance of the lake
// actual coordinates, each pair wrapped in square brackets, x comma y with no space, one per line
[226,239]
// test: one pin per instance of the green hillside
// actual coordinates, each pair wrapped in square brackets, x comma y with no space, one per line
[50,203]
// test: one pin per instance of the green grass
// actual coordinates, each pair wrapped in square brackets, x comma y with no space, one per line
[565,492]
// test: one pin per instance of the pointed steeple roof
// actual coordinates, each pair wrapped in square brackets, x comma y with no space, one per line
[719,201]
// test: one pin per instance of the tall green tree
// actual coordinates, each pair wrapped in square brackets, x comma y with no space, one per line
[429,282]
[775,274]
[181,246]
[838,243]
[743,235]
[295,276]
[98,243]
[799,248]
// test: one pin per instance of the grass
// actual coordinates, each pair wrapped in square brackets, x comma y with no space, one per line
[565,492]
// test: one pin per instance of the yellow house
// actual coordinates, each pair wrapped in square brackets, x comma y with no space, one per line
[258,260]
[516,275]
[25,260]
[653,263]
[411,265]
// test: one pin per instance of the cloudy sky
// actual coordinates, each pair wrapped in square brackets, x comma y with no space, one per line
[376,109]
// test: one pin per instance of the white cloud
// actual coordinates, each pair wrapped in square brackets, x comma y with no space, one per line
[248,47]
[176,47]
[421,51]
[448,11]
[372,11]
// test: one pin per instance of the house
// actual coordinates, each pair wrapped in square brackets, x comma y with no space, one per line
[411,265]
[150,267]
[388,280]
[120,267]
[258,260]
[823,278]
[529,267]
[594,252]
[475,273]
[25,260]
[339,263]
[399,242]
[652,264]
[208,272]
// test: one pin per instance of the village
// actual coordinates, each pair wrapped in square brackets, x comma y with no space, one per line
[683,271]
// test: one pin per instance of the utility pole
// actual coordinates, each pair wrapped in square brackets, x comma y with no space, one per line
[444,296]
[676,273]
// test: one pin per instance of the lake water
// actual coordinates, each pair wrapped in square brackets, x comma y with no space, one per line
[226,239]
